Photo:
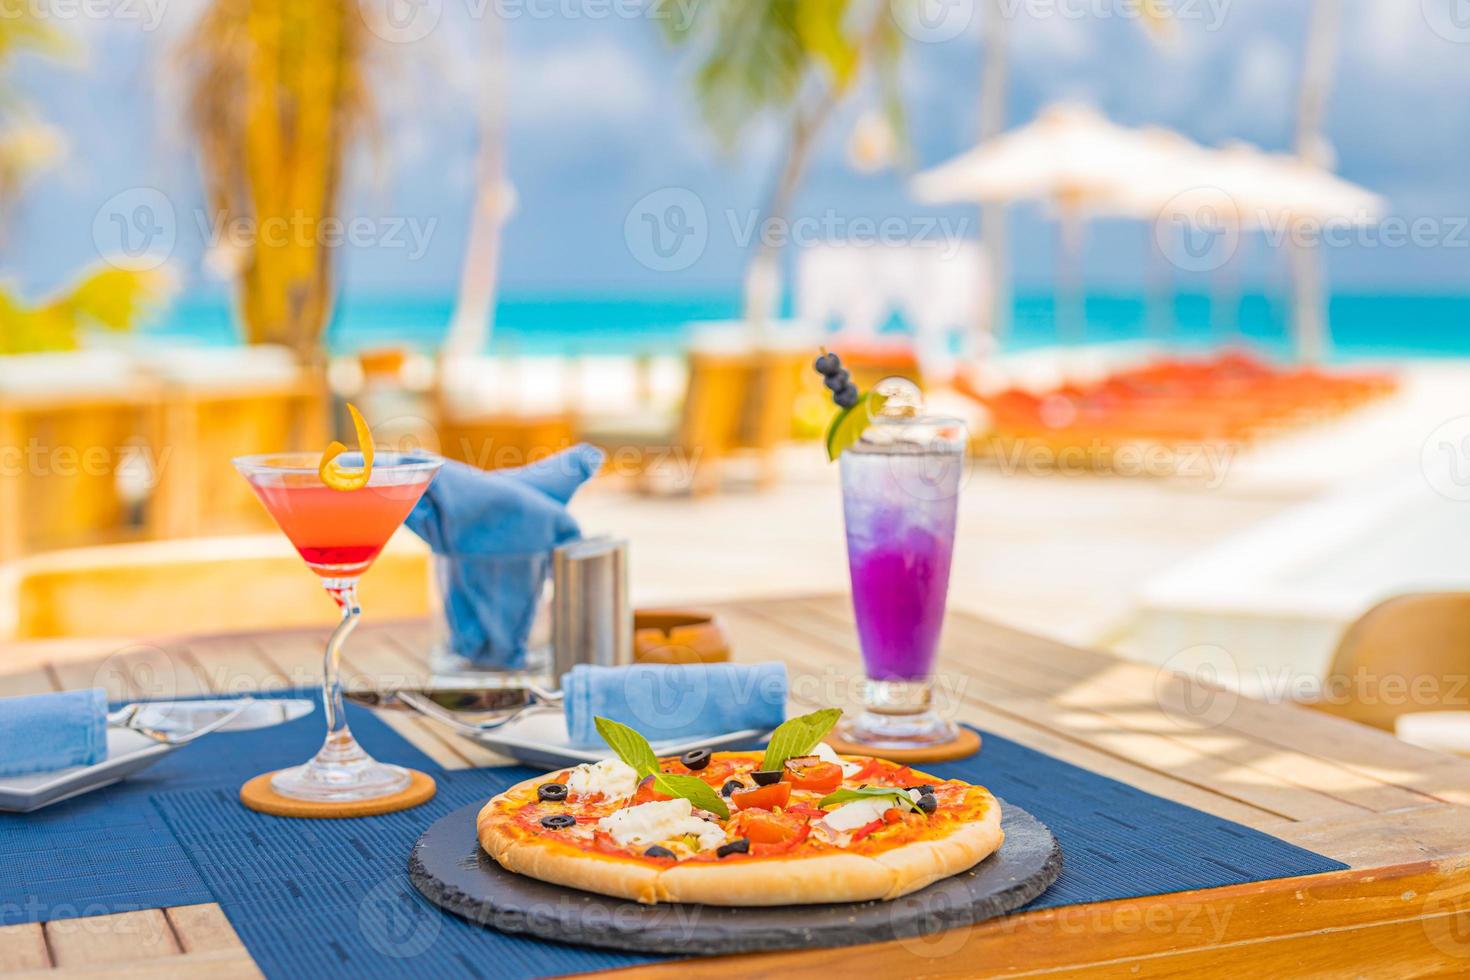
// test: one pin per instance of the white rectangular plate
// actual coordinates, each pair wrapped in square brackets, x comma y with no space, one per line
[540,739]
[127,753]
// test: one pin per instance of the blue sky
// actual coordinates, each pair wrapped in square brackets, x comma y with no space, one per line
[600,115]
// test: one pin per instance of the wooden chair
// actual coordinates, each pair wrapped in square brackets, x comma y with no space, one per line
[59,487]
[709,426]
[1408,654]
[770,407]
[198,492]
[202,585]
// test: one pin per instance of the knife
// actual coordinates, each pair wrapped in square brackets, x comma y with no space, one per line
[467,707]
[181,722]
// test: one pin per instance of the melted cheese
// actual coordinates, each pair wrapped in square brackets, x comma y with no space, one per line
[613,778]
[826,753]
[859,813]
[649,823]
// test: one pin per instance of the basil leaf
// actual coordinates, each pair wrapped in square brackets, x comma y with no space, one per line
[798,736]
[869,793]
[693,789]
[629,746]
[635,751]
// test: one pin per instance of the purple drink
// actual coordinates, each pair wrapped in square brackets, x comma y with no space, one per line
[900,494]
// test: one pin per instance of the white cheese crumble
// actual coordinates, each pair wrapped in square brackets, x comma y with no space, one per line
[859,813]
[826,753]
[613,778]
[649,823]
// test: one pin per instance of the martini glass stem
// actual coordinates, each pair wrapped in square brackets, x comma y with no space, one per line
[339,737]
[340,771]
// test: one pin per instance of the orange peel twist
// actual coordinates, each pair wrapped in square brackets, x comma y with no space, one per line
[339,477]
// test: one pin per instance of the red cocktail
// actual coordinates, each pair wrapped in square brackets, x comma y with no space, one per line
[338,532]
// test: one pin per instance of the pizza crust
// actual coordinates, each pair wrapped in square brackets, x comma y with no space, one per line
[820,878]
[921,863]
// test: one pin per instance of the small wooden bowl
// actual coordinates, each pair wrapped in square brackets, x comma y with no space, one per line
[672,636]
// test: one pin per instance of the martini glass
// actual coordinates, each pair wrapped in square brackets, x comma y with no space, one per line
[339,533]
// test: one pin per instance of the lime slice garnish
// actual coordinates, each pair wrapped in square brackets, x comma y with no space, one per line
[339,477]
[849,424]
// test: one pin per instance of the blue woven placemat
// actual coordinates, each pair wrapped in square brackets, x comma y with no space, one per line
[334,900]
[110,851]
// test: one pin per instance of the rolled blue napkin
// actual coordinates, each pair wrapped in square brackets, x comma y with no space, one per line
[673,701]
[493,533]
[42,732]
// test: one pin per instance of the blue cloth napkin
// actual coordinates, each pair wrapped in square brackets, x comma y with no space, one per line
[493,532]
[42,732]
[674,701]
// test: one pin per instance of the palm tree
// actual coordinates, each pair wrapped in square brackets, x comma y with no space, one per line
[110,295]
[793,59]
[277,97]
[1312,146]
[107,296]
[494,199]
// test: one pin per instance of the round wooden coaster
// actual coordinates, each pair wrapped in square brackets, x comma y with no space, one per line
[964,745]
[258,795]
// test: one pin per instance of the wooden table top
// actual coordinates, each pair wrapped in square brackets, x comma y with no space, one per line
[1398,816]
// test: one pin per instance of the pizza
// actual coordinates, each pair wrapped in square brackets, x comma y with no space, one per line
[795,824]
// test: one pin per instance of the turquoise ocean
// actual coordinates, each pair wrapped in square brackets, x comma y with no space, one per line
[1363,326]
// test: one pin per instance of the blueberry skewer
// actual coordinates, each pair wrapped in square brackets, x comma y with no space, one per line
[837,379]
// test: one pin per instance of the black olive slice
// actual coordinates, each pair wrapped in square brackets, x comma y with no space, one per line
[739,846]
[696,758]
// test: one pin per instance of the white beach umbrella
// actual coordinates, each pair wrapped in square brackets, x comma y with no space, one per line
[1257,190]
[1073,159]
[1070,155]
[1242,188]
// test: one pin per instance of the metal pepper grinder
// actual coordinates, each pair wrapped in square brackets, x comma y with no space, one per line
[591,618]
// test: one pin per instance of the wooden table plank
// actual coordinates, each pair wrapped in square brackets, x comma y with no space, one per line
[1130,719]
[1267,733]
[220,965]
[203,929]
[23,947]
[106,940]
[1141,746]
[1028,731]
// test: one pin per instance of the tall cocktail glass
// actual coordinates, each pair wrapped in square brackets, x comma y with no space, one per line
[900,495]
[338,533]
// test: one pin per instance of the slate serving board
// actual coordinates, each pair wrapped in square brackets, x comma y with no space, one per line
[448,866]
